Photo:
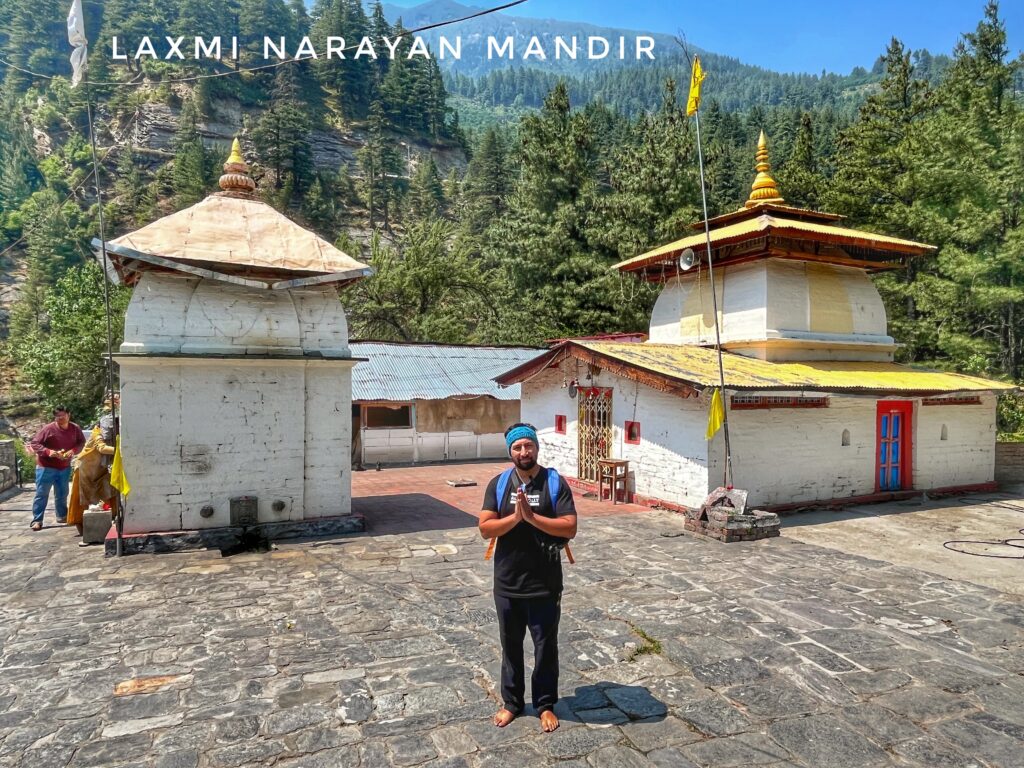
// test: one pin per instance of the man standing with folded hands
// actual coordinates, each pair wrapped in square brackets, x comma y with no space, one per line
[530,512]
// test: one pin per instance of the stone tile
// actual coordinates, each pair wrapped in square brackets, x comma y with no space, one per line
[714,716]
[826,742]
[924,704]
[933,753]
[883,727]
[412,749]
[974,739]
[772,698]
[658,733]
[730,672]
[747,749]
[618,756]
[873,683]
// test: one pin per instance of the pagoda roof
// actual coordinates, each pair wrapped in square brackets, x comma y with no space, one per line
[233,236]
[766,227]
[773,232]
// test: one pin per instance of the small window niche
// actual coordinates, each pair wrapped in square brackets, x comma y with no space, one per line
[633,432]
[846,437]
[560,421]
[944,435]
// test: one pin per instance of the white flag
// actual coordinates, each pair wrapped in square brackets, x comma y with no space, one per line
[76,36]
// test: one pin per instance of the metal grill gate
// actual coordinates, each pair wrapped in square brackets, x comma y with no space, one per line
[595,430]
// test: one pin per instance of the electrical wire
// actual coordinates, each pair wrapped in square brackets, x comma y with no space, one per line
[195,78]
[950,545]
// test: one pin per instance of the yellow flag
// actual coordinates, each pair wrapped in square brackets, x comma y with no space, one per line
[716,415]
[696,78]
[117,477]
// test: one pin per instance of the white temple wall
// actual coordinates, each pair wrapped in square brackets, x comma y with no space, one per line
[785,455]
[669,463]
[198,433]
[967,456]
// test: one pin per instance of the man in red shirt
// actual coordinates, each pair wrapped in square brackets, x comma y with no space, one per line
[54,446]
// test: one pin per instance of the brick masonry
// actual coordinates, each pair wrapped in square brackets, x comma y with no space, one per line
[1009,463]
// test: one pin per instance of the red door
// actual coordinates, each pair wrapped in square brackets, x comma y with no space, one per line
[893,445]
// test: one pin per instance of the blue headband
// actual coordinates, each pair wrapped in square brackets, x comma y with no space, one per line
[518,434]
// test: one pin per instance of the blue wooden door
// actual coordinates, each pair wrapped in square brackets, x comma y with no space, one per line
[893,446]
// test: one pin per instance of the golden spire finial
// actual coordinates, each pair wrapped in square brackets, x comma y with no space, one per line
[236,152]
[236,181]
[764,189]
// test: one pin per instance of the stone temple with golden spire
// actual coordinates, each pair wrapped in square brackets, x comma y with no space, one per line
[818,410]
[235,372]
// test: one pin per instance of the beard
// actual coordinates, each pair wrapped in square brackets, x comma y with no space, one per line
[525,464]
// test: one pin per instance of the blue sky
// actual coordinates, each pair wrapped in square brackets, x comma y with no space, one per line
[788,35]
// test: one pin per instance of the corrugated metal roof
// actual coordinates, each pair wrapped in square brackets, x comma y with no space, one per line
[699,365]
[404,372]
[768,224]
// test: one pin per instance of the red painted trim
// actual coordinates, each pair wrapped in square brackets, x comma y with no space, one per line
[560,422]
[631,425]
[906,409]
[752,403]
[966,400]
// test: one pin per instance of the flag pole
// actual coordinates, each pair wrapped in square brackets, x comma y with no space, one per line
[695,81]
[77,38]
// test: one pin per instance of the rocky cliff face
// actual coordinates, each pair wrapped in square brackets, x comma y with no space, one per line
[153,132]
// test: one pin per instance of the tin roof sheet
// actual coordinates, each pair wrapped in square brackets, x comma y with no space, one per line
[403,372]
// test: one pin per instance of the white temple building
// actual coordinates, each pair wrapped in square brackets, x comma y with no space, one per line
[235,367]
[817,409]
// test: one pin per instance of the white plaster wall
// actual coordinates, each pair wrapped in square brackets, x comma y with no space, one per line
[785,455]
[542,397]
[772,299]
[172,313]
[741,303]
[401,446]
[967,456]
[327,489]
[670,461]
[199,432]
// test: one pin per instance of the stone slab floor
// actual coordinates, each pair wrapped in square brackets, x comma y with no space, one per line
[381,650]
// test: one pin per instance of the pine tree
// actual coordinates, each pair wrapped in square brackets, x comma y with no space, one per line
[425,198]
[487,184]
[192,164]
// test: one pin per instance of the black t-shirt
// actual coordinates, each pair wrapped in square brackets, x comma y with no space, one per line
[522,566]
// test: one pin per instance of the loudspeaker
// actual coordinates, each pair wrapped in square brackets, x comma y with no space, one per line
[687,259]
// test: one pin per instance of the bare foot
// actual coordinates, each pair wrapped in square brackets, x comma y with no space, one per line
[548,721]
[503,718]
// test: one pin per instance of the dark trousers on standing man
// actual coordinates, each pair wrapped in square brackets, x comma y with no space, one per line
[541,615]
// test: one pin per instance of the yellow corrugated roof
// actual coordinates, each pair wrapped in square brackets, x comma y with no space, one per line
[699,365]
[766,223]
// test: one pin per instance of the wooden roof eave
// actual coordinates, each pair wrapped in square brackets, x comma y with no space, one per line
[898,251]
[567,349]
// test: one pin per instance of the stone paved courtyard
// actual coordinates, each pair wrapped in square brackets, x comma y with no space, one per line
[381,649]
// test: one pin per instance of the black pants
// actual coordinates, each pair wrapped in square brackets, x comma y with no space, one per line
[541,615]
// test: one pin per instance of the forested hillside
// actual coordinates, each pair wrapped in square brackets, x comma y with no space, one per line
[502,231]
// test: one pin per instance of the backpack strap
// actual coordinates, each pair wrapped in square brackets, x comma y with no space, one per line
[499,494]
[554,486]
